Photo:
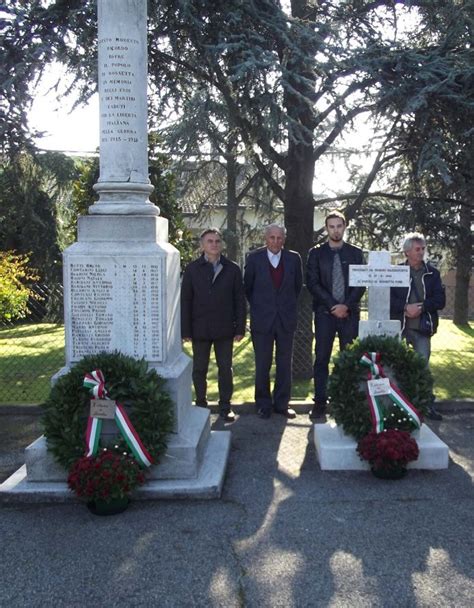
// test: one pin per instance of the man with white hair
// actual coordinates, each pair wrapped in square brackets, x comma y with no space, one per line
[273,279]
[416,306]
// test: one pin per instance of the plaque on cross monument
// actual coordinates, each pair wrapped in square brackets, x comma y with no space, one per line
[378,276]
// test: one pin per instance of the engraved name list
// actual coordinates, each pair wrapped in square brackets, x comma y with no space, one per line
[103,316]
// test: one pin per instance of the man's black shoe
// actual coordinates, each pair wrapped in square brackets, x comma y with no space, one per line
[227,416]
[318,411]
[289,413]
[433,414]
[263,413]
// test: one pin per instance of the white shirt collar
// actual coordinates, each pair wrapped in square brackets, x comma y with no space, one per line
[274,258]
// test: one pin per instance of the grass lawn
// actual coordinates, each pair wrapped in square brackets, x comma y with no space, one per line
[452,363]
[31,354]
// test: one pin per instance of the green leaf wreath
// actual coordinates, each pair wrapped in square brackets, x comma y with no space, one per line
[129,381]
[348,383]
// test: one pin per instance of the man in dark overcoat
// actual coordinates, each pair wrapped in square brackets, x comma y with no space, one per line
[273,279]
[213,313]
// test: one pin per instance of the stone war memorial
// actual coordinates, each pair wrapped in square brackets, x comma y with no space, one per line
[122,279]
[335,449]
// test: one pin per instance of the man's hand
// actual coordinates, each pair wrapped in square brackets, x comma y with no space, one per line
[412,311]
[340,311]
[237,338]
[186,339]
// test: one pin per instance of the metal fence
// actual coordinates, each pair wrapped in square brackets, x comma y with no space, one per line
[32,351]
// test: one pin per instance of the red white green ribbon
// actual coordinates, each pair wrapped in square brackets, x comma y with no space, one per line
[372,361]
[95,382]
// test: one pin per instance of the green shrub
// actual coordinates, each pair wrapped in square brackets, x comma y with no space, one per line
[14,290]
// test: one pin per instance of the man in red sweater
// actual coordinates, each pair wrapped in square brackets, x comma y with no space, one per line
[273,279]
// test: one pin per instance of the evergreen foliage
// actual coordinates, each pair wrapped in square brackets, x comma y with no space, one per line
[31,189]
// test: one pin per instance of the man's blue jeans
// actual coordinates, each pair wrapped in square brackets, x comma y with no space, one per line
[326,328]
[420,342]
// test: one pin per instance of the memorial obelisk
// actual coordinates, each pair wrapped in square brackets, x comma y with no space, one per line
[122,276]
[123,184]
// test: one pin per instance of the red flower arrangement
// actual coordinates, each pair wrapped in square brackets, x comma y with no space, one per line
[391,450]
[108,476]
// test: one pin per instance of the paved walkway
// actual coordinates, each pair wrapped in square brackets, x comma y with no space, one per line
[283,534]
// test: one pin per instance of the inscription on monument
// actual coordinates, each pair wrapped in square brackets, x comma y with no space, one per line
[118,77]
[373,276]
[104,317]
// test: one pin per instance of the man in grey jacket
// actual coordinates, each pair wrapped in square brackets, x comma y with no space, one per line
[213,313]
[424,295]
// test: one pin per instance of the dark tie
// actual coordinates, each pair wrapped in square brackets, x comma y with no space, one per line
[338,290]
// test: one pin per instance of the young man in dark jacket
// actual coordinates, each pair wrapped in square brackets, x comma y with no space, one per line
[335,304]
[425,294]
[213,312]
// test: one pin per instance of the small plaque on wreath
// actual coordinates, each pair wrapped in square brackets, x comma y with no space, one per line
[102,408]
[380,386]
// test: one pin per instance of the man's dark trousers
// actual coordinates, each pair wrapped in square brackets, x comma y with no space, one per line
[326,328]
[263,344]
[201,354]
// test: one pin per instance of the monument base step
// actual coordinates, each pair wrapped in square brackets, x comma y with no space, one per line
[207,485]
[182,458]
[336,451]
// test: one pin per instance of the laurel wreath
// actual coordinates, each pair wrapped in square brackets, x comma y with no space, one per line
[129,381]
[348,384]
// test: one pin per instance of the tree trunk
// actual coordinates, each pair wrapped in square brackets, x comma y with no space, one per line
[463,266]
[299,175]
[299,210]
[231,236]
[299,206]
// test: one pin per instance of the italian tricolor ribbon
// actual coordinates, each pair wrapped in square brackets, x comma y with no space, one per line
[372,361]
[95,382]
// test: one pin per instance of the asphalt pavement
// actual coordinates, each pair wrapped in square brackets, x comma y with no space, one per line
[284,532]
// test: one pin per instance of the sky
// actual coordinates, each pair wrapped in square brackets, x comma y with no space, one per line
[66,131]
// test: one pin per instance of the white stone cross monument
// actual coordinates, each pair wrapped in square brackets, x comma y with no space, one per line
[122,277]
[378,275]
[336,450]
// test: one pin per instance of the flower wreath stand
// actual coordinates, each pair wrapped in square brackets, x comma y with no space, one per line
[379,391]
[105,467]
